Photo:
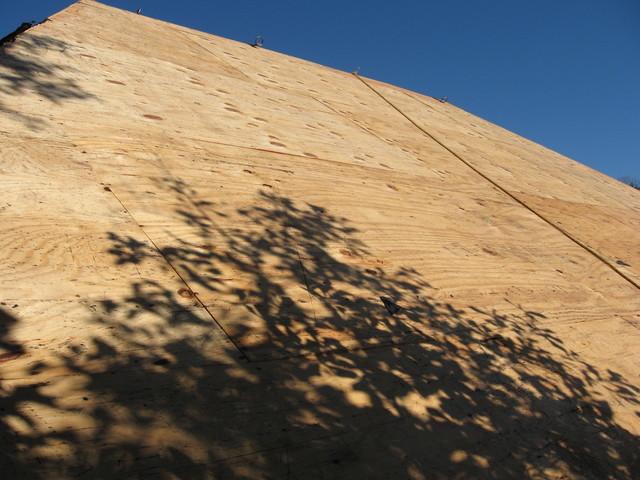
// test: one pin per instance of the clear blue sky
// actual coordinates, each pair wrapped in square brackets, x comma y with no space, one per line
[565,73]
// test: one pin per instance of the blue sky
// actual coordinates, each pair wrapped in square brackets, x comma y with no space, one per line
[565,73]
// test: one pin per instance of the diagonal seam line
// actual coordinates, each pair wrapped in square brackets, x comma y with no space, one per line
[505,191]
[220,326]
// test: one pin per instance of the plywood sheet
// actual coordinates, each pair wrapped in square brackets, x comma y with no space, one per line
[218,261]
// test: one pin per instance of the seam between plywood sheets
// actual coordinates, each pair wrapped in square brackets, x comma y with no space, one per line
[182,279]
[500,188]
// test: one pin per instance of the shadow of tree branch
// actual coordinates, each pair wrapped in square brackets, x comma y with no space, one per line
[24,70]
[336,387]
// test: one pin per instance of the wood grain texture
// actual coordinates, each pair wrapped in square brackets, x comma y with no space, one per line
[218,261]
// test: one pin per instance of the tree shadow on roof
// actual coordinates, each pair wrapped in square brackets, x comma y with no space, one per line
[326,384]
[25,70]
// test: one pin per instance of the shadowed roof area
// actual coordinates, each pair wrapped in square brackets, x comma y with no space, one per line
[217,261]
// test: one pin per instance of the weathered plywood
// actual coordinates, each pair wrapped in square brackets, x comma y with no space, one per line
[218,261]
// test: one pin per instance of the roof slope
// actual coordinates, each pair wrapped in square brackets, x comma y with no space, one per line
[218,261]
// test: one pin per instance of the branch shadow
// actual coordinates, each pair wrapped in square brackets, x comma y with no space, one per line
[345,388]
[24,70]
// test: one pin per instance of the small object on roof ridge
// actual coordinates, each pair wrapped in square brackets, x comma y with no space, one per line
[139,11]
[443,99]
[21,29]
[259,41]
